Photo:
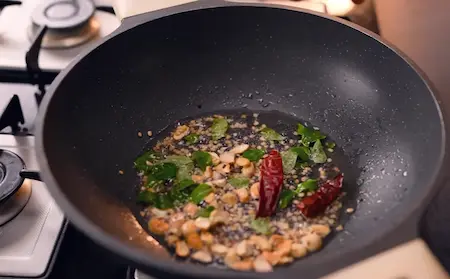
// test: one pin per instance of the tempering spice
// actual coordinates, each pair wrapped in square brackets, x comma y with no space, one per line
[239,193]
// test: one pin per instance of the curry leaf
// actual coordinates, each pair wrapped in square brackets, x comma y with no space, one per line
[308,134]
[163,171]
[330,144]
[205,212]
[192,138]
[184,172]
[219,128]
[200,192]
[158,200]
[286,197]
[140,163]
[318,155]
[253,155]
[270,134]
[183,184]
[289,158]
[303,152]
[153,182]
[185,166]
[307,186]
[301,165]
[179,196]
[178,160]
[239,181]
[180,192]
[202,159]
[261,225]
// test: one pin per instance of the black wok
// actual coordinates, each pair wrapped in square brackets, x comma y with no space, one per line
[197,58]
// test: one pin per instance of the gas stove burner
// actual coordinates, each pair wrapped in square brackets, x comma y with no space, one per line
[10,180]
[62,14]
[14,204]
[69,22]
[66,38]
[14,191]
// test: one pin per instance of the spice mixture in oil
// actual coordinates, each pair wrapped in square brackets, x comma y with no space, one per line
[232,191]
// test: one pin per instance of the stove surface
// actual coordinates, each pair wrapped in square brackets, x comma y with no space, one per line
[28,240]
[15,22]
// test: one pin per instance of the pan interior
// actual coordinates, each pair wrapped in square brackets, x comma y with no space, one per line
[359,92]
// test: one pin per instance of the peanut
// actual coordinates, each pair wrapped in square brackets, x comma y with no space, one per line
[261,264]
[215,158]
[158,226]
[182,250]
[202,256]
[202,223]
[312,241]
[190,209]
[188,227]
[239,149]
[229,198]
[227,157]
[181,132]
[243,195]
[254,190]
[321,230]
[242,162]
[249,170]
[194,241]
[298,250]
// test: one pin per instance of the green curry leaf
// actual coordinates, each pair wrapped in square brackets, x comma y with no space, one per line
[307,186]
[330,144]
[185,166]
[205,212]
[289,158]
[318,155]
[270,134]
[253,155]
[140,164]
[286,197]
[239,181]
[303,152]
[308,134]
[158,200]
[183,184]
[192,138]
[219,128]
[200,192]
[261,225]
[163,171]
[202,159]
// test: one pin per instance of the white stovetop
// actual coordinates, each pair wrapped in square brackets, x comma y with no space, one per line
[28,240]
[15,20]
[14,42]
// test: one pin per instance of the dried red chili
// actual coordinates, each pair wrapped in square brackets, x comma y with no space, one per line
[271,182]
[317,203]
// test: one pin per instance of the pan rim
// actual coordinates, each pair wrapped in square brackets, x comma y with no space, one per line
[171,267]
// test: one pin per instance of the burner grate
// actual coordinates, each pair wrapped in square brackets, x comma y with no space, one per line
[43,36]
[28,240]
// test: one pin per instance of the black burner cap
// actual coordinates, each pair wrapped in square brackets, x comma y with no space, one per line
[62,14]
[10,180]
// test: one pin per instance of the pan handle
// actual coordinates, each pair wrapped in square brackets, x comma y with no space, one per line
[34,175]
[411,260]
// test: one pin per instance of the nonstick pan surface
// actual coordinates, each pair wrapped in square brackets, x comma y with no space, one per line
[195,59]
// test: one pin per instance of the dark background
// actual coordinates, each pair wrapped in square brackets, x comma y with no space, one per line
[80,258]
